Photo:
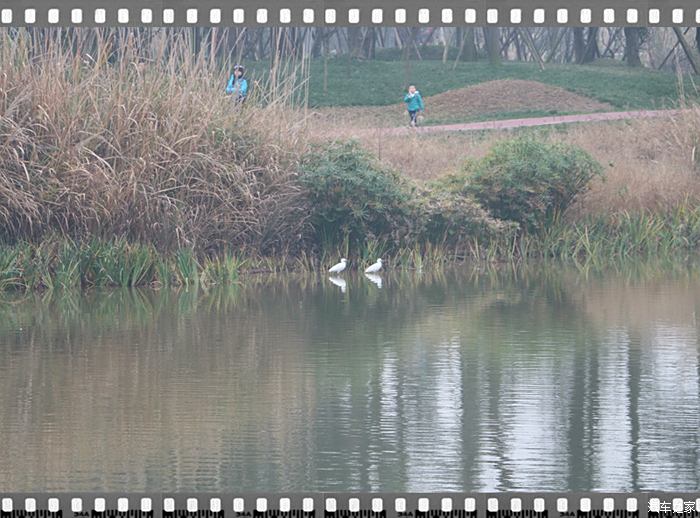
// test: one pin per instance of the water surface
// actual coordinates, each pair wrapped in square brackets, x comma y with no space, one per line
[537,379]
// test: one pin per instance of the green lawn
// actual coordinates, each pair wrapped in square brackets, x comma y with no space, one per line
[372,83]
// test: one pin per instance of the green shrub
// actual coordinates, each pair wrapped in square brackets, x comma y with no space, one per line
[451,217]
[529,181]
[353,199]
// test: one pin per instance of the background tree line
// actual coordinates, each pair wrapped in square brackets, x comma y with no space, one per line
[635,46]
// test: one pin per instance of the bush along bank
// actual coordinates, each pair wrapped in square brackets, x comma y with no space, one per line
[512,204]
[357,203]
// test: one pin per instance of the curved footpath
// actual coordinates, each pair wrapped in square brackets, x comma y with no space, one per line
[534,121]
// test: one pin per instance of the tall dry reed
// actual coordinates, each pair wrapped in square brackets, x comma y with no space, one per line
[129,133]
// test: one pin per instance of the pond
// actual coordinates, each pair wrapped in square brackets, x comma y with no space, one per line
[535,378]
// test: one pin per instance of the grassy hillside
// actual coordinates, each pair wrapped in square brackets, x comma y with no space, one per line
[372,83]
[492,100]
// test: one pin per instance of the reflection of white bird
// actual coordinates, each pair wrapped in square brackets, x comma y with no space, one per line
[376,279]
[339,267]
[374,267]
[340,282]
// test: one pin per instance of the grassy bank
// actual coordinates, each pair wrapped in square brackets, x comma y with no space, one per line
[517,204]
[133,168]
[598,243]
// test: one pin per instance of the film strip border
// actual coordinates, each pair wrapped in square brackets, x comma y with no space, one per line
[342,505]
[150,13]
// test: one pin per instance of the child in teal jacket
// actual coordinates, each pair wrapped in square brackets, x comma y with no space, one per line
[237,84]
[414,104]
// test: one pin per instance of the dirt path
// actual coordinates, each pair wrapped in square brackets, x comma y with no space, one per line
[534,121]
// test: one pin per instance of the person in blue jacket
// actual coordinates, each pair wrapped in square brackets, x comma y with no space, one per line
[414,104]
[237,84]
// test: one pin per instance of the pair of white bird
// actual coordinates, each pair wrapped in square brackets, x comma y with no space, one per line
[373,268]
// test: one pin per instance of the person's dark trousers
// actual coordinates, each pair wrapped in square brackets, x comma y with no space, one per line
[414,117]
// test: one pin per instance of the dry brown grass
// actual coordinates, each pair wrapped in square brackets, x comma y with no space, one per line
[649,164]
[138,139]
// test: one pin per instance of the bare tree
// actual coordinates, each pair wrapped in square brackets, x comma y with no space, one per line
[633,39]
[493,46]
[586,49]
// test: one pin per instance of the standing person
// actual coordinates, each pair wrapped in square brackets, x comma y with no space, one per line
[237,84]
[414,104]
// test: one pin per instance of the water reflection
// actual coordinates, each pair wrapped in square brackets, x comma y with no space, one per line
[340,282]
[374,279]
[540,379]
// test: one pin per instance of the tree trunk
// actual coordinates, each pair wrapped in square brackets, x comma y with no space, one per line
[519,53]
[325,63]
[609,49]
[493,46]
[317,45]
[697,38]
[369,43]
[554,46]
[406,58]
[354,41]
[446,44]
[592,51]
[469,53]
[399,41]
[687,50]
[579,45]
[632,41]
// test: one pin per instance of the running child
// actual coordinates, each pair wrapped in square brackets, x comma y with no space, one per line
[414,104]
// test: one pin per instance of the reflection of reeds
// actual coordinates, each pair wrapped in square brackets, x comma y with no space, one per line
[139,307]
[402,292]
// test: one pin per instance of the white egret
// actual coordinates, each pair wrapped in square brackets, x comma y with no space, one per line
[339,267]
[374,278]
[340,282]
[374,267]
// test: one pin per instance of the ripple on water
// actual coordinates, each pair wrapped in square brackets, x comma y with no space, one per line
[544,383]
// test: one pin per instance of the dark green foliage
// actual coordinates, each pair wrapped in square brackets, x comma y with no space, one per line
[355,202]
[449,216]
[530,181]
[353,199]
